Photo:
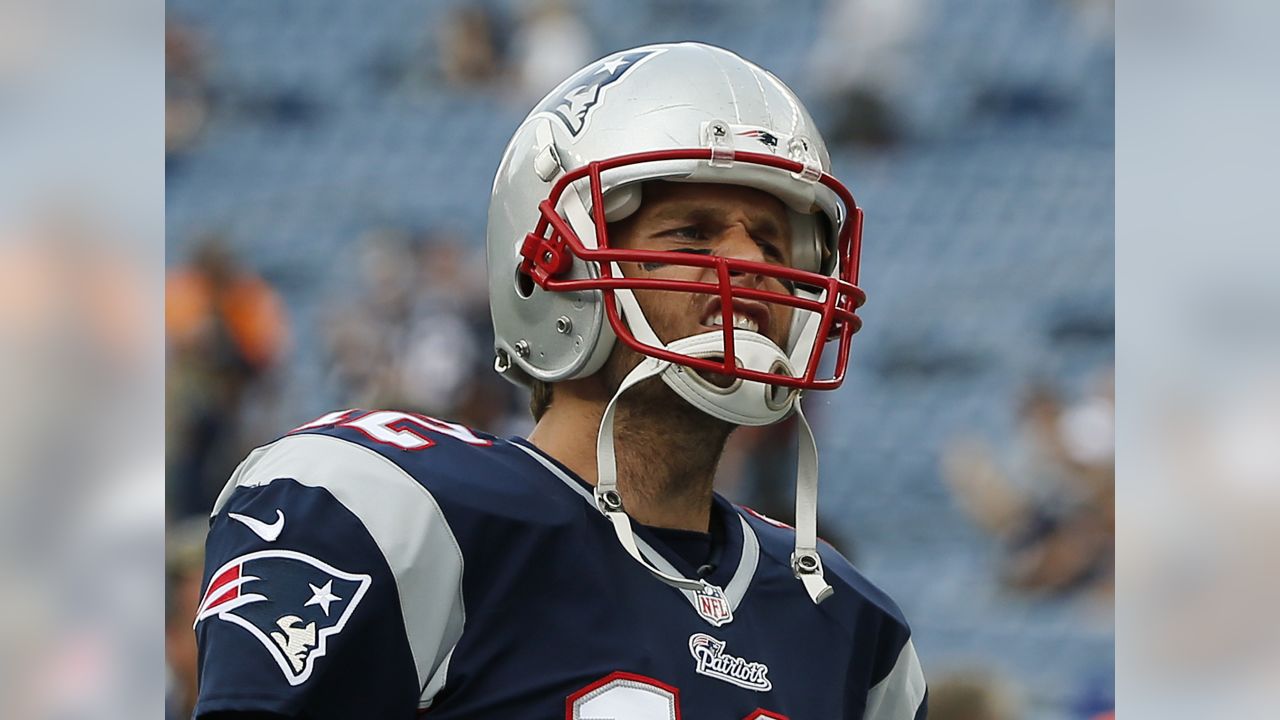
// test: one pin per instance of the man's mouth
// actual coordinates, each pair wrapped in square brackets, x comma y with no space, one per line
[750,316]
[740,322]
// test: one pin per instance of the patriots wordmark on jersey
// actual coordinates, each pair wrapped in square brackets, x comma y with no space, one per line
[384,564]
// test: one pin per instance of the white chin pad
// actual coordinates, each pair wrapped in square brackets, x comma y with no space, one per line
[744,402]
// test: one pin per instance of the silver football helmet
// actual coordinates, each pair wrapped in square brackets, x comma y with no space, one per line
[680,113]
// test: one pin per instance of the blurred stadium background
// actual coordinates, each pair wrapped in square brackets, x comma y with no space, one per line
[328,166]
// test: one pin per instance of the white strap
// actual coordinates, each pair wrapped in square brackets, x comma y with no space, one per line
[606,493]
[805,562]
[633,315]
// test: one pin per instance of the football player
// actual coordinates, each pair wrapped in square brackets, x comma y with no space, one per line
[669,258]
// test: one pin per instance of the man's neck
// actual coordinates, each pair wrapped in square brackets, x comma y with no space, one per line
[666,450]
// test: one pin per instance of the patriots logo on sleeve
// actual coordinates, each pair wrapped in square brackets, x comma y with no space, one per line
[291,602]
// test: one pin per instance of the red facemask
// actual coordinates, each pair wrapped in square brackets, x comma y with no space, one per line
[549,251]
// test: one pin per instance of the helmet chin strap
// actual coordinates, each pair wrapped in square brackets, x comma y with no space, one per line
[607,497]
[744,403]
[805,562]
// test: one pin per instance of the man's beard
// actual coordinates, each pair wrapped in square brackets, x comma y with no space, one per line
[660,434]
[652,396]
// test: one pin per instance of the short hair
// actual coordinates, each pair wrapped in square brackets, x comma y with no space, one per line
[539,399]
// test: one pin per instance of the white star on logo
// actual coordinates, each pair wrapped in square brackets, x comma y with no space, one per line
[322,596]
[612,66]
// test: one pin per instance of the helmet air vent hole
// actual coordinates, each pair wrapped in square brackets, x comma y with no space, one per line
[524,284]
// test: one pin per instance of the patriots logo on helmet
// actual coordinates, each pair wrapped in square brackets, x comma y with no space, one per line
[291,602]
[765,137]
[585,89]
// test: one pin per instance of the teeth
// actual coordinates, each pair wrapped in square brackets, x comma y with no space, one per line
[740,321]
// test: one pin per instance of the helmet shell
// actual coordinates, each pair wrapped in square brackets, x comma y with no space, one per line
[651,98]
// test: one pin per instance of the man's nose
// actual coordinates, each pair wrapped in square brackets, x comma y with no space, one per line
[736,243]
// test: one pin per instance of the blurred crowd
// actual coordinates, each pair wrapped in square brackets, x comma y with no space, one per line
[520,56]
[415,334]
[227,333]
[976,694]
[1047,497]
[475,47]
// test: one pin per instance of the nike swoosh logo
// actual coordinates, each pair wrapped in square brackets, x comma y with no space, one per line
[268,532]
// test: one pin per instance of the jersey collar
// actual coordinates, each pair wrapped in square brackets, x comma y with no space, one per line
[740,554]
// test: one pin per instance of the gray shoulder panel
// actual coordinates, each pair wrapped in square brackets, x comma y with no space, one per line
[402,517]
[899,694]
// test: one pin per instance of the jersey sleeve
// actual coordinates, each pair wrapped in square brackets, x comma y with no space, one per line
[900,694]
[316,548]
[885,675]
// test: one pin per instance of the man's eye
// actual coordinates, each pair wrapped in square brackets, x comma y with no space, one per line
[689,232]
[771,251]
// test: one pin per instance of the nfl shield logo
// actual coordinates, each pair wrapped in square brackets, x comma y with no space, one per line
[712,605]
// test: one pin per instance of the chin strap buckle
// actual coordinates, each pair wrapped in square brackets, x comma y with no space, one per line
[609,501]
[806,564]
[807,567]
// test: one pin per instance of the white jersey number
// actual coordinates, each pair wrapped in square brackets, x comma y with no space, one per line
[626,696]
[395,428]
[623,696]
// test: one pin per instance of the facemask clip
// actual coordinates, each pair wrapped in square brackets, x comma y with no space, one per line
[716,135]
[801,150]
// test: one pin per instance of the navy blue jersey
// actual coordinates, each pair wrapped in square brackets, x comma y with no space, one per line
[385,564]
